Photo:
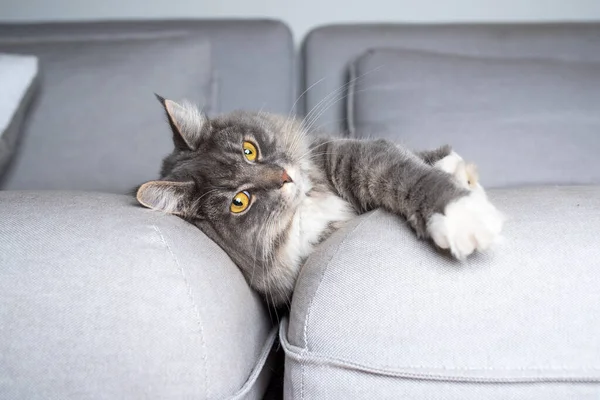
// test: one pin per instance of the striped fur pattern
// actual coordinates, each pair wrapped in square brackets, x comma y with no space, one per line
[331,182]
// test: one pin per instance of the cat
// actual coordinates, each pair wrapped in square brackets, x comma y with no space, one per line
[267,192]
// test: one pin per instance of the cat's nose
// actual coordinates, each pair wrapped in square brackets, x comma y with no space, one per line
[285,178]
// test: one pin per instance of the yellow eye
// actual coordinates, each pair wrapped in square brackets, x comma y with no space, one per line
[250,151]
[240,202]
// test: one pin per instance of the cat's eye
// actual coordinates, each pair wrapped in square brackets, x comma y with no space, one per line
[250,151]
[240,202]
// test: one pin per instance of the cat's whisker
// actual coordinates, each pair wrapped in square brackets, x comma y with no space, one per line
[298,141]
[303,93]
[254,258]
[322,154]
[264,262]
[330,104]
[268,261]
[316,108]
[290,118]
[310,151]
[326,103]
[326,106]
[258,237]
[333,93]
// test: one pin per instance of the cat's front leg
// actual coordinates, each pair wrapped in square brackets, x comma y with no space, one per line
[372,174]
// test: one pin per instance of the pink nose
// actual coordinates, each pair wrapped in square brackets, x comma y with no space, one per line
[285,178]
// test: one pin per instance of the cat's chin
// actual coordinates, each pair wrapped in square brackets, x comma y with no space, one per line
[294,189]
[291,194]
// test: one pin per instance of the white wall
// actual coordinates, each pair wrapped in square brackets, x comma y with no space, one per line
[302,15]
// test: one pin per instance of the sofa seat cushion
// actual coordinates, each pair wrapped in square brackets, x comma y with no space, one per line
[18,78]
[523,121]
[379,314]
[96,124]
[102,299]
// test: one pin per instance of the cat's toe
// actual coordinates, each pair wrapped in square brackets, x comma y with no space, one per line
[468,224]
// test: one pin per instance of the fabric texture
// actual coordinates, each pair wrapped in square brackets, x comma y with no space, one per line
[521,121]
[379,314]
[84,90]
[329,50]
[96,124]
[254,59]
[104,299]
[18,75]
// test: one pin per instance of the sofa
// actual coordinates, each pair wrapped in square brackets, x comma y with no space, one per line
[103,299]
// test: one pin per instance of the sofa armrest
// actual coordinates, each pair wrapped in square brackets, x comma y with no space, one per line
[378,307]
[100,298]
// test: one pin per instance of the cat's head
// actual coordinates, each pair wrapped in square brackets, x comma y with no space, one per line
[240,177]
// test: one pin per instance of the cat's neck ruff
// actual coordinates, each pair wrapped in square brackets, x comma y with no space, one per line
[316,217]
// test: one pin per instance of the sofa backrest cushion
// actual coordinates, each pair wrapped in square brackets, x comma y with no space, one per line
[521,121]
[18,80]
[96,124]
[328,51]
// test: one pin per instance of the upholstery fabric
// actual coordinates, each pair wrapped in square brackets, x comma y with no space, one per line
[18,78]
[378,314]
[96,124]
[329,50]
[254,58]
[521,121]
[103,299]
[252,68]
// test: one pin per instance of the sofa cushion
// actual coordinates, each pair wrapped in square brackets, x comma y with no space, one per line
[254,58]
[328,51]
[378,314]
[522,121]
[18,81]
[103,299]
[109,132]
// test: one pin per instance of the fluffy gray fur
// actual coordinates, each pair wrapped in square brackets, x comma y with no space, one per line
[333,180]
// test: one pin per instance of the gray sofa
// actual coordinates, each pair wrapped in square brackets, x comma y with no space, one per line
[100,298]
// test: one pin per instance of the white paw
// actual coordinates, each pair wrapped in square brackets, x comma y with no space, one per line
[468,224]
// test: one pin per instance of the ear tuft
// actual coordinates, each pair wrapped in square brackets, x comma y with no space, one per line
[166,196]
[188,123]
[472,174]
[160,99]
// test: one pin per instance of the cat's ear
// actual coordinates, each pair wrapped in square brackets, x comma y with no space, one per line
[167,196]
[188,123]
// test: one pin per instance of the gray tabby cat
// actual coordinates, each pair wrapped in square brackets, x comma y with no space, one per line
[268,192]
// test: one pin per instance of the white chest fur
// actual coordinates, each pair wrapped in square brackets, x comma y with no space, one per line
[314,215]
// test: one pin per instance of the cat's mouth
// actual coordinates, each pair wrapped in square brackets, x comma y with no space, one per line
[292,191]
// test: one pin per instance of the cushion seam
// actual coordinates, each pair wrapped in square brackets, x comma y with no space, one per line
[106,37]
[194,304]
[8,143]
[545,60]
[301,356]
[350,100]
